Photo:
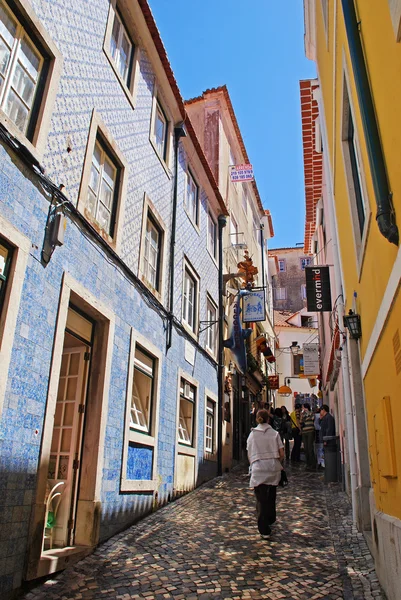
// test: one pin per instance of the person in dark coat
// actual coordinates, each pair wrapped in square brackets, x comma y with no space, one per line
[327,426]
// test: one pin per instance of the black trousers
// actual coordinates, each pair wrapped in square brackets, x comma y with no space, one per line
[296,449]
[265,506]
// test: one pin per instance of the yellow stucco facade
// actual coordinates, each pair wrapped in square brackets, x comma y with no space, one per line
[370,265]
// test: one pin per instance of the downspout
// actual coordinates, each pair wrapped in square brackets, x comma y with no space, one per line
[179,132]
[262,243]
[385,215]
[220,367]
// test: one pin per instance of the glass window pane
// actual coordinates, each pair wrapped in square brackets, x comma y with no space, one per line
[17,111]
[4,57]
[160,124]
[29,58]
[106,194]
[23,85]
[103,218]
[8,27]
[114,36]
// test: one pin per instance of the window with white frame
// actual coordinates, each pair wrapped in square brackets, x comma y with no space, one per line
[210,426]
[6,253]
[233,230]
[305,261]
[21,65]
[142,391]
[354,173]
[121,48]
[280,293]
[191,197]
[160,131]
[103,187]
[281,265]
[212,235]
[152,253]
[211,331]
[256,225]
[189,302]
[186,420]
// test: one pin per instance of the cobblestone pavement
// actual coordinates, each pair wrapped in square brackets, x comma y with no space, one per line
[206,545]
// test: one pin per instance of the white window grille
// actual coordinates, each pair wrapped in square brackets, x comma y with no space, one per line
[189,300]
[191,198]
[211,331]
[102,188]
[121,48]
[187,413]
[210,426]
[151,256]
[20,68]
[142,392]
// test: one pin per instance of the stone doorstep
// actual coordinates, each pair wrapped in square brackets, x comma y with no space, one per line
[58,559]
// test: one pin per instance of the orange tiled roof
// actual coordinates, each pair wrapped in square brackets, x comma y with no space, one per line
[281,318]
[313,161]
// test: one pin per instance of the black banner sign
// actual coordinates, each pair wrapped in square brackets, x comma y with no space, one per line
[318,294]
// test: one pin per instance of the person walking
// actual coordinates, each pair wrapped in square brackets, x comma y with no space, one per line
[266,454]
[308,436]
[287,428]
[296,433]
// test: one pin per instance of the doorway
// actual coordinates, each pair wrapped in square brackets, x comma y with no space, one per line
[67,436]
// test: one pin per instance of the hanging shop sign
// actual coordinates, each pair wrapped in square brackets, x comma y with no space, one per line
[236,335]
[254,306]
[311,359]
[241,173]
[273,382]
[318,293]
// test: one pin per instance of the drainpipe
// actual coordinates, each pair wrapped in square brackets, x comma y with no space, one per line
[179,132]
[220,367]
[385,215]
[262,243]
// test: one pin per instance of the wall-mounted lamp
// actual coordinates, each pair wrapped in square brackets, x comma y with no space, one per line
[231,367]
[295,348]
[284,390]
[353,322]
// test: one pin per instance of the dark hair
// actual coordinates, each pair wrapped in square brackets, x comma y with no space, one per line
[286,411]
[262,416]
[325,407]
[307,406]
[278,412]
[297,405]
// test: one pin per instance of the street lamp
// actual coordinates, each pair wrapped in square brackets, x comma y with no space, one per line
[295,348]
[353,322]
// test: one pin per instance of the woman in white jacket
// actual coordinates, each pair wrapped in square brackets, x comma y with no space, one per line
[265,454]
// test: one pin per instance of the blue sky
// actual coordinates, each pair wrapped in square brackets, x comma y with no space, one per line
[256,48]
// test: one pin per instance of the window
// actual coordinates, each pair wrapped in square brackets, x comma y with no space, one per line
[305,261]
[303,291]
[233,230]
[189,304]
[121,48]
[191,198]
[140,448]
[160,131]
[356,175]
[212,235]
[280,293]
[186,419]
[298,364]
[211,324]
[103,188]
[256,225]
[5,262]
[152,253]
[210,426]
[281,265]
[142,391]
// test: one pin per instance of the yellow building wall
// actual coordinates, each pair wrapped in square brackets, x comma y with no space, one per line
[383,56]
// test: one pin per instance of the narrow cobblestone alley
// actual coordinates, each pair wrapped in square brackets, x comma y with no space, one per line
[206,545]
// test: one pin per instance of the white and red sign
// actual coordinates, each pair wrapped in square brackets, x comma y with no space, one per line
[240,173]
